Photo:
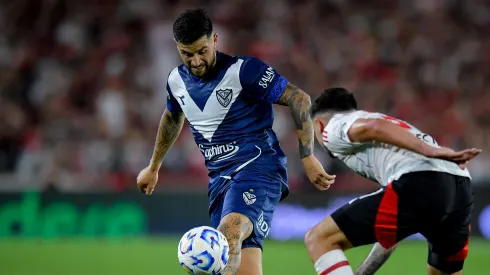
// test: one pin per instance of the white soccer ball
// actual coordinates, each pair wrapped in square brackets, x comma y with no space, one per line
[203,250]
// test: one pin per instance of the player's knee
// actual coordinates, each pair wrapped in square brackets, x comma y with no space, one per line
[315,237]
[235,227]
[324,234]
[310,238]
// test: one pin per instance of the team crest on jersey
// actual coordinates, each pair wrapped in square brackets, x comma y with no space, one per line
[249,198]
[224,97]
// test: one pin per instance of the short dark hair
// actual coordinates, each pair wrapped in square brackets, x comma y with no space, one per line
[334,99]
[192,25]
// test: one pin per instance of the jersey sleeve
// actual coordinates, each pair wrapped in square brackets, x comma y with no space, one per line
[172,104]
[260,81]
[335,134]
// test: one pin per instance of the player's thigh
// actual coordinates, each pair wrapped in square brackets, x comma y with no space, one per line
[251,261]
[236,227]
[256,201]
[448,241]
[384,216]
[357,219]
[351,225]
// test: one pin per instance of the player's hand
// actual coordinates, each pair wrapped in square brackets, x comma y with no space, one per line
[461,157]
[146,180]
[318,177]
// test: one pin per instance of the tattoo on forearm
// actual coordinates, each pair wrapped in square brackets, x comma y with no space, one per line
[168,131]
[235,228]
[299,103]
[375,260]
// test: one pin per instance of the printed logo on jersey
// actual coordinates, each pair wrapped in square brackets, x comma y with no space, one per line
[267,78]
[224,97]
[262,226]
[181,99]
[219,152]
[206,111]
[426,138]
[249,198]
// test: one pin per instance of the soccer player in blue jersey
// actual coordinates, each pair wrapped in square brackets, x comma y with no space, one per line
[228,103]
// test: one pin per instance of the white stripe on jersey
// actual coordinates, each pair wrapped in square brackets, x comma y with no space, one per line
[209,119]
[244,164]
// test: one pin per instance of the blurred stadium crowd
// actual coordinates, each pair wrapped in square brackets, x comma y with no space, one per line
[82,83]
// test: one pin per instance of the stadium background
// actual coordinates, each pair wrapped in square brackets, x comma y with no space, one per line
[82,89]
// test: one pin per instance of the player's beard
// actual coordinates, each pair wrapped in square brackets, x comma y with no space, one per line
[200,71]
[204,68]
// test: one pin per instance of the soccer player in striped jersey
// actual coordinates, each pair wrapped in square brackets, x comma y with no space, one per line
[425,188]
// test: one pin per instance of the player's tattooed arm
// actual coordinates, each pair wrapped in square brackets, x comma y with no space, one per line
[168,131]
[376,258]
[299,103]
[235,227]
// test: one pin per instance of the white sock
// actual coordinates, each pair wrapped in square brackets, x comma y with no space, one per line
[333,263]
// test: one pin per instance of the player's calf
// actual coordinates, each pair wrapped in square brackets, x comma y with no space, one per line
[376,258]
[325,243]
[235,227]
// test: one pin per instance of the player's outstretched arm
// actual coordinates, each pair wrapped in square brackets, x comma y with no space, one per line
[299,104]
[169,129]
[365,130]
[376,258]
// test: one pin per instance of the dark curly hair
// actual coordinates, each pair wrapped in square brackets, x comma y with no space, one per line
[192,25]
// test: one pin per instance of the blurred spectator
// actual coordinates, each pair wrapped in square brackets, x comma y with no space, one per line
[82,83]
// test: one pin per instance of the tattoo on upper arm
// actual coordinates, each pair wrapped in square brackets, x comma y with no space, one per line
[168,131]
[299,103]
[235,227]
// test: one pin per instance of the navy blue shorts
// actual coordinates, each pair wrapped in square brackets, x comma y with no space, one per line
[253,192]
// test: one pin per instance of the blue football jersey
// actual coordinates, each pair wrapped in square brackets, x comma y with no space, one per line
[230,110]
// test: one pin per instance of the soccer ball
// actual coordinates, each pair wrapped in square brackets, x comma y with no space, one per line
[203,250]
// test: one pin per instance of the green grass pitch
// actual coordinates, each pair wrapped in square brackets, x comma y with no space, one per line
[159,256]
